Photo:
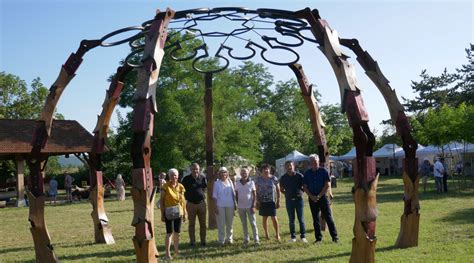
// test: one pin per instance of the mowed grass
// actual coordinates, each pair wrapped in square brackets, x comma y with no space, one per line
[446,232]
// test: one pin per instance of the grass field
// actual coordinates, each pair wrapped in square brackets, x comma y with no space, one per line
[446,232]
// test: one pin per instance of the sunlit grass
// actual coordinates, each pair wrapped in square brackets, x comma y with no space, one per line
[446,232]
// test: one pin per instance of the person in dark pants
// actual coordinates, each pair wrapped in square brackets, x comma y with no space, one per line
[316,182]
[292,186]
[445,175]
[195,185]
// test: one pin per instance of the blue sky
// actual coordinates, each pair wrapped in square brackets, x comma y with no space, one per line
[405,37]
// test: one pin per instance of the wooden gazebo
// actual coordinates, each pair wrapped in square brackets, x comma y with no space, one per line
[16,136]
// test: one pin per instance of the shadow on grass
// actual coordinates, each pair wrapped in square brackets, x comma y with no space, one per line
[345,254]
[463,216]
[13,249]
[95,255]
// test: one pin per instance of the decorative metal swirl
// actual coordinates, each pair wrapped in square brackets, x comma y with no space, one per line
[262,31]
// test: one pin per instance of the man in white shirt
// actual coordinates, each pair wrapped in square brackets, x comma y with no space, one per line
[438,171]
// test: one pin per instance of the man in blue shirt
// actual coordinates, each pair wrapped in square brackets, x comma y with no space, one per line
[316,182]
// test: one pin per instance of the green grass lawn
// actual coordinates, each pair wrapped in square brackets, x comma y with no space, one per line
[446,232]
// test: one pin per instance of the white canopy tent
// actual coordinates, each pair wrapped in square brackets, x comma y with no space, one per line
[387,151]
[348,156]
[294,156]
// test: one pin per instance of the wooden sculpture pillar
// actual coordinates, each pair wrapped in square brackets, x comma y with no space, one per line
[37,160]
[209,134]
[317,124]
[365,177]
[102,229]
[143,193]
[409,221]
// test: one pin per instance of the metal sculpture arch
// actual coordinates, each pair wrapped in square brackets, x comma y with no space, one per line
[292,30]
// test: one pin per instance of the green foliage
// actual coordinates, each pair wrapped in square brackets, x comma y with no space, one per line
[440,126]
[338,132]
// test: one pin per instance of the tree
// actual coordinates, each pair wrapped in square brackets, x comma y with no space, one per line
[338,132]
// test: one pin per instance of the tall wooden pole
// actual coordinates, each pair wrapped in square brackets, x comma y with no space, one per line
[209,133]
[365,177]
[143,193]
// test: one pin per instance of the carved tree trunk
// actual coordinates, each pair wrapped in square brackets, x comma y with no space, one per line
[364,140]
[409,228]
[43,248]
[102,229]
[143,193]
[209,133]
[363,245]
[410,220]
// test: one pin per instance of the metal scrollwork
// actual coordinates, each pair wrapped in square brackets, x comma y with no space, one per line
[262,31]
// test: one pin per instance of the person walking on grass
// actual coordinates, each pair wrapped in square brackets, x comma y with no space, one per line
[53,190]
[316,183]
[268,199]
[68,180]
[195,185]
[173,211]
[291,184]
[120,187]
[438,172]
[246,202]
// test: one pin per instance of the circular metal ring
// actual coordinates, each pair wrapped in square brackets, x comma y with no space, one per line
[120,31]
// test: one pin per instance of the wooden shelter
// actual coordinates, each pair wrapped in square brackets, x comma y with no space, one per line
[16,136]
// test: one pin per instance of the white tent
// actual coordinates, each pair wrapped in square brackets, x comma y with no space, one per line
[349,155]
[387,151]
[294,156]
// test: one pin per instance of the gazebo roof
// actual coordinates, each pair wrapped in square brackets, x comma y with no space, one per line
[67,137]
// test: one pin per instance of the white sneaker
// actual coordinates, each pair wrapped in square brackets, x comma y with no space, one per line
[293,240]
[304,240]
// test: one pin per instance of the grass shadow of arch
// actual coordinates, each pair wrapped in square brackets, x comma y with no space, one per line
[463,216]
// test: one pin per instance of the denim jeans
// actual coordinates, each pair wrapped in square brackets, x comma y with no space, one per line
[292,205]
[323,206]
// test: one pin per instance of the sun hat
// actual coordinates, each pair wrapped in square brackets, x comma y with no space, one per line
[222,169]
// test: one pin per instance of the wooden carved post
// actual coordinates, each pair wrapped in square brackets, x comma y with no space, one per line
[209,133]
[365,178]
[20,181]
[143,193]
[409,222]
[43,247]
[102,229]
[36,161]
[317,124]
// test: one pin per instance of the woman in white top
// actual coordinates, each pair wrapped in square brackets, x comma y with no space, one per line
[223,194]
[246,203]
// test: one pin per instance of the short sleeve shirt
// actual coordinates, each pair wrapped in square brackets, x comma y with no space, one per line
[194,188]
[266,189]
[315,180]
[173,195]
[244,192]
[292,184]
[223,192]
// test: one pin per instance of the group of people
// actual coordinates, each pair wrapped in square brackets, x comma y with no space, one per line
[186,200]
[440,172]
[53,188]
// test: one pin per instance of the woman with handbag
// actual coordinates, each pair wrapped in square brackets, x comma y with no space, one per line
[173,211]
